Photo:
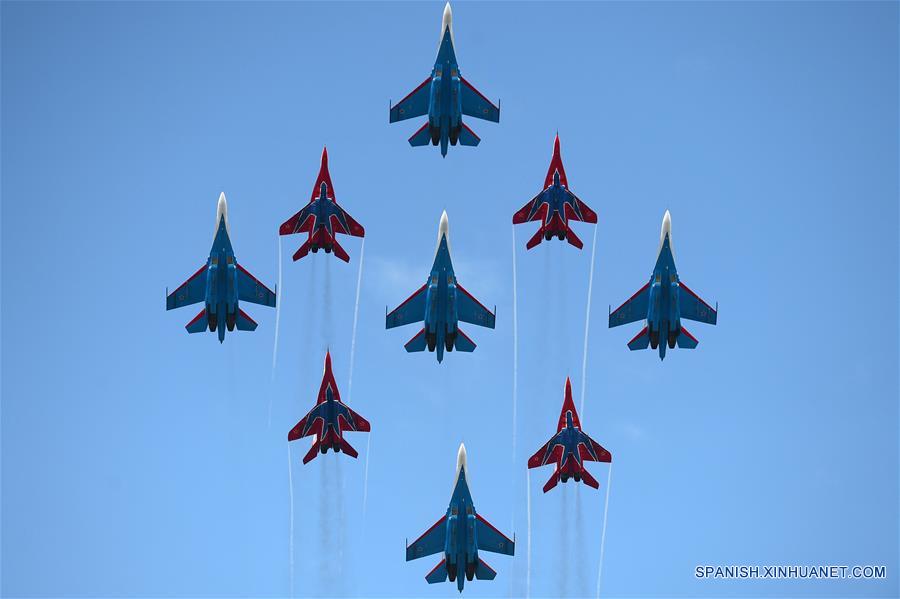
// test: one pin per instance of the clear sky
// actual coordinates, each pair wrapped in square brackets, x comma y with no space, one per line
[140,461]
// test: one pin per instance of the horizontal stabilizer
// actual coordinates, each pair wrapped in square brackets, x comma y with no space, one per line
[338,251]
[535,239]
[554,478]
[438,574]
[312,451]
[572,238]
[686,340]
[417,343]
[244,322]
[422,137]
[302,251]
[463,343]
[467,137]
[640,341]
[347,448]
[198,325]
[589,480]
[484,571]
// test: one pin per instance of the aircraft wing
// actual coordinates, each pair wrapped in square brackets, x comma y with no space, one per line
[472,311]
[535,209]
[190,292]
[299,223]
[311,424]
[431,541]
[475,104]
[592,451]
[410,311]
[550,453]
[575,209]
[694,308]
[491,539]
[634,309]
[346,224]
[351,421]
[413,105]
[251,290]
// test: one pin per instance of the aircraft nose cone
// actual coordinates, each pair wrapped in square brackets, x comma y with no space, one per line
[222,210]
[447,19]
[461,465]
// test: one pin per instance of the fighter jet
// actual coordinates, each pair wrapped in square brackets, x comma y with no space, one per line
[460,534]
[221,283]
[555,206]
[663,302]
[329,420]
[322,218]
[445,96]
[441,303]
[569,448]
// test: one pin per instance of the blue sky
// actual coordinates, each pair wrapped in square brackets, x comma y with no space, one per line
[140,461]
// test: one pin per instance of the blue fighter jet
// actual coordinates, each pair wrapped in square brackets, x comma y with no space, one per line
[441,303]
[460,534]
[221,283]
[663,302]
[445,96]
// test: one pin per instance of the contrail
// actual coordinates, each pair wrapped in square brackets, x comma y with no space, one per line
[515,386]
[326,306]
[362,251]
[366,475]
[580,544]
[278,293]
[587,322]
[291,544]
[515,396]
[528,545]
[341,527]
[603,534]
[563,569]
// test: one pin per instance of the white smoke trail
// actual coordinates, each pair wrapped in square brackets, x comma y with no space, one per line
[515,390]
[587,322]
[515,396]
[581,549]
[564,559]
[278,293]
[528,545]
[603,534]
[366,475]
[362,251]
[291,543]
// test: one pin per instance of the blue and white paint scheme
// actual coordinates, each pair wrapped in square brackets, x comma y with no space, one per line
[221,284]
[445,96]
[441,303]
[663,302]
[460,534]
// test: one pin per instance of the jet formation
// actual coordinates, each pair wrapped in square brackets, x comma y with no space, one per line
[459,534]
[445,96]
[569,449]
[329,420]
[662,302]
[441,303]
[323,219]
[221,284]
